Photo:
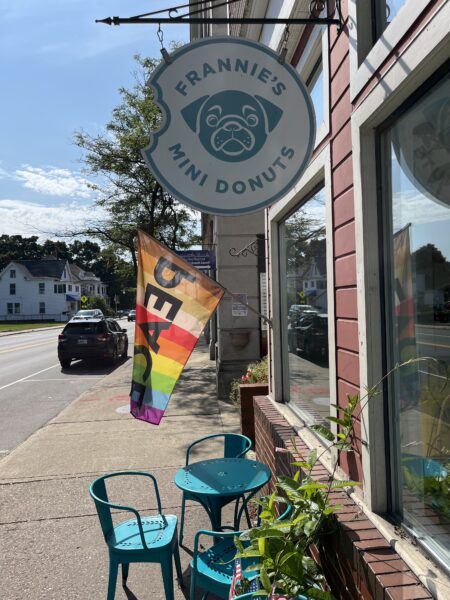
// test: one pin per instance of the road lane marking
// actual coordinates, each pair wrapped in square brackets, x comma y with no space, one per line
[25,347]
[86,378]
[28,376]
[434,345]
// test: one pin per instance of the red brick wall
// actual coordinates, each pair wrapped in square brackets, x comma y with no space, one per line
[359,563]
[346,325]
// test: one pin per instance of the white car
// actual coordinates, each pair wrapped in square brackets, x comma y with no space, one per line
[91,313]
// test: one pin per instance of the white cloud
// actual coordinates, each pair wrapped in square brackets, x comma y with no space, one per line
[53,181]
[18,217]
[411,206]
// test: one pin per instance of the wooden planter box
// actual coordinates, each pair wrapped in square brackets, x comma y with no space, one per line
[246,393]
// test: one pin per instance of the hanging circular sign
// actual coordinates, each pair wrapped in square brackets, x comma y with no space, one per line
[238,126]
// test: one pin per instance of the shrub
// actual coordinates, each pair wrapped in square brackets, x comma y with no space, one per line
[257,372]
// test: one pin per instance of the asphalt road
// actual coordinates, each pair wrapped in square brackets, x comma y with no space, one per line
[33,389]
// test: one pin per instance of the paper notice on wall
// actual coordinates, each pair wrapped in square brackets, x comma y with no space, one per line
[237,308]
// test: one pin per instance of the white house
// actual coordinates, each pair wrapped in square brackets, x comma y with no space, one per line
[46,288]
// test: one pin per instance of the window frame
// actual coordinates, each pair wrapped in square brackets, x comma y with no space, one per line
[366,54]
[394,494]
[419,61]
[316,50]
[12,289]
[281,292]
[13,308]
[317,173]
[12,274]
[41,288]
[42,308]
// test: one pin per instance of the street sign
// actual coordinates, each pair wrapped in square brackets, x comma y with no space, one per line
[83,299]
[238,126]
[201,259]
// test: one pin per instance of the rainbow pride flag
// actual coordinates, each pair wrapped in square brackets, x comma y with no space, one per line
[174,302]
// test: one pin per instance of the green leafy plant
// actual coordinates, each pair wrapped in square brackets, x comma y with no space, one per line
[257,372]
[280,550]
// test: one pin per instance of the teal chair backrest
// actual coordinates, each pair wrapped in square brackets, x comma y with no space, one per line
[100,497]
[99,494]
[235,445]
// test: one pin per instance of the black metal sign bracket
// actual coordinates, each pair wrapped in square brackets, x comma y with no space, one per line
[194,16]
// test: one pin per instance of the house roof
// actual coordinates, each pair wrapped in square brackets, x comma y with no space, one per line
[81,274]
[44,267]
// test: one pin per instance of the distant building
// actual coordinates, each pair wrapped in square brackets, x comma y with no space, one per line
[46,288]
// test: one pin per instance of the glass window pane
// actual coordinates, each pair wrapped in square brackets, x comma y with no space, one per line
[306,321]
[317,96]
[417,149]
[386,11]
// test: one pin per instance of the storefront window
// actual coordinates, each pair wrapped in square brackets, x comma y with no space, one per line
[416,151]
[305,322]
[315,85]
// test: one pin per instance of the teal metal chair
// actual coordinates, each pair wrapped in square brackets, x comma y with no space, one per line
[151,539]
[212,569]
[235,445]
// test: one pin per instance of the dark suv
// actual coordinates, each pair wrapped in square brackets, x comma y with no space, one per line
[310,335]
[93,338]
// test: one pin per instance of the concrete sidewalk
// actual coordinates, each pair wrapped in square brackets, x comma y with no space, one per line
[50,539]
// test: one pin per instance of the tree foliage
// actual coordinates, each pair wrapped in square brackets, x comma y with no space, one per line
[126,190]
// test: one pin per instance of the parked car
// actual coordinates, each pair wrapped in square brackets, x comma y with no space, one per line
[310,335]
[92,338]
[296,310]
[90,313]
[132,315]
[442,312]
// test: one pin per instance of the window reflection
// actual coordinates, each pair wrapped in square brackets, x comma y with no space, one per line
[418,187]
[386,11]
[306,324]
[315,85]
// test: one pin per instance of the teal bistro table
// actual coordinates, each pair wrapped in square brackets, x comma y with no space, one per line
[219,481]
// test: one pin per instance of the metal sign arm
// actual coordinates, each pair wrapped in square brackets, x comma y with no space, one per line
[191,18]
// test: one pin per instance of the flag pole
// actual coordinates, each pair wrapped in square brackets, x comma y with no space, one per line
[238,299]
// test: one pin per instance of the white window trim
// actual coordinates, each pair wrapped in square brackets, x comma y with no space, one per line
[361,12]
[318,171]
[419,61]
[271,34]
[317,46]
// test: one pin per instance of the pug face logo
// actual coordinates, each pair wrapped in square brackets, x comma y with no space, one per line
[232,126]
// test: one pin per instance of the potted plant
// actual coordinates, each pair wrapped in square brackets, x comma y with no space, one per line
[257,372]
[281,550]
[242,390]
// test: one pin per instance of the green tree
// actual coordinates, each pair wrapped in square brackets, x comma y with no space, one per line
[57,249]
[433,266]
[16,247]
[127,191]
[85,254]
[99,302]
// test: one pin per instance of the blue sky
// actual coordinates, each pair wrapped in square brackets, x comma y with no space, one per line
[60,72]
